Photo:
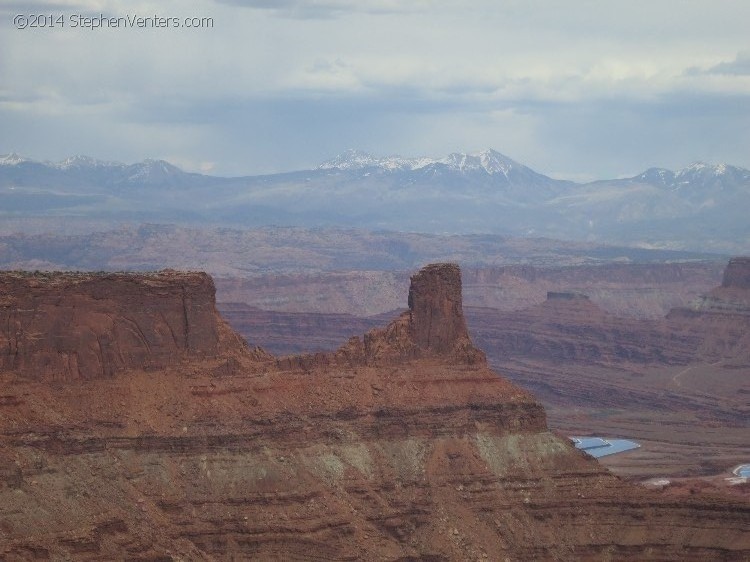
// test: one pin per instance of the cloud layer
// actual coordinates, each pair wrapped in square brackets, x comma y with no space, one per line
[589,89]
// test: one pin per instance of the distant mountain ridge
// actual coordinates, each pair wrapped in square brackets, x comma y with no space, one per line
[87,171]
[700,207]
[697,173]
[490,161]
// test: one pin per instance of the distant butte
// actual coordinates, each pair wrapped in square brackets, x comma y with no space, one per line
[737,273]
[173,440]
[437,322]
[433,326]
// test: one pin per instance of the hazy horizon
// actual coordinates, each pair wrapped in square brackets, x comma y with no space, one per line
[578,92]
[585,178]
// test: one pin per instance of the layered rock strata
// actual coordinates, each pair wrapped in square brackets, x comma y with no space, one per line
[404,446]
[293,333]
[433,326]
[570,327]
[737,273]
[81,325]
[722,317]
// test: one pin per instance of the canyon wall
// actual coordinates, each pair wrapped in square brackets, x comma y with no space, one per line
[722,316]
[678,385]
[625,289]
[737,273]
[570,327]
[402,445]
[85,325]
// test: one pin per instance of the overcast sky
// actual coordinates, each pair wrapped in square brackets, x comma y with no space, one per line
[579,89]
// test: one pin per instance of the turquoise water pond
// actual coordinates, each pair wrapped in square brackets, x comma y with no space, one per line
[599,447]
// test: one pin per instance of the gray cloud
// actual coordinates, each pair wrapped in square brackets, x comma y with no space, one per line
[740,66]
[626,137]
[36,6]
[326,9]
[572,89]
[52,7]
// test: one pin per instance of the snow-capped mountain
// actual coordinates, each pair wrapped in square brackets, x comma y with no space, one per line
[72,162]
[354,159]
[82,171]
[84,162]
[701,206]
[697,175]
[351,159]
[486,173]
[707,175]
[489,161]
[152,171]
[656,176]
[12,159]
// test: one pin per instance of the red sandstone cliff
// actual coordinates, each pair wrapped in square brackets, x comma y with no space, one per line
[411,449]
[434,325]
[81,325]
[667,383]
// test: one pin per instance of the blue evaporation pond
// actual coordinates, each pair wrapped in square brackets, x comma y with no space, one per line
[743,471]
[599,447]
[615,446]
[589,442]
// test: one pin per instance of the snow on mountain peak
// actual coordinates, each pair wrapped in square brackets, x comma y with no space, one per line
[12,159]
[75,162]
[702,169]
[697,165]
[658,176]
[155,164]
[151,169]
[491,161]
[148,169]
[351,159]
[698,175]
[81,161]
[71,162]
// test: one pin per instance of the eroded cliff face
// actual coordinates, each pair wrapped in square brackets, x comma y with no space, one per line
[570,327]
[737,273]
[404,448]
[433,327]
[85,326]
[722,316]
[437,317]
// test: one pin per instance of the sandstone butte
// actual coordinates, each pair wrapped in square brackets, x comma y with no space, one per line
[136,425]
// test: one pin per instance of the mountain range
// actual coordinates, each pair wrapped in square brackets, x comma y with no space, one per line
[700,207]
